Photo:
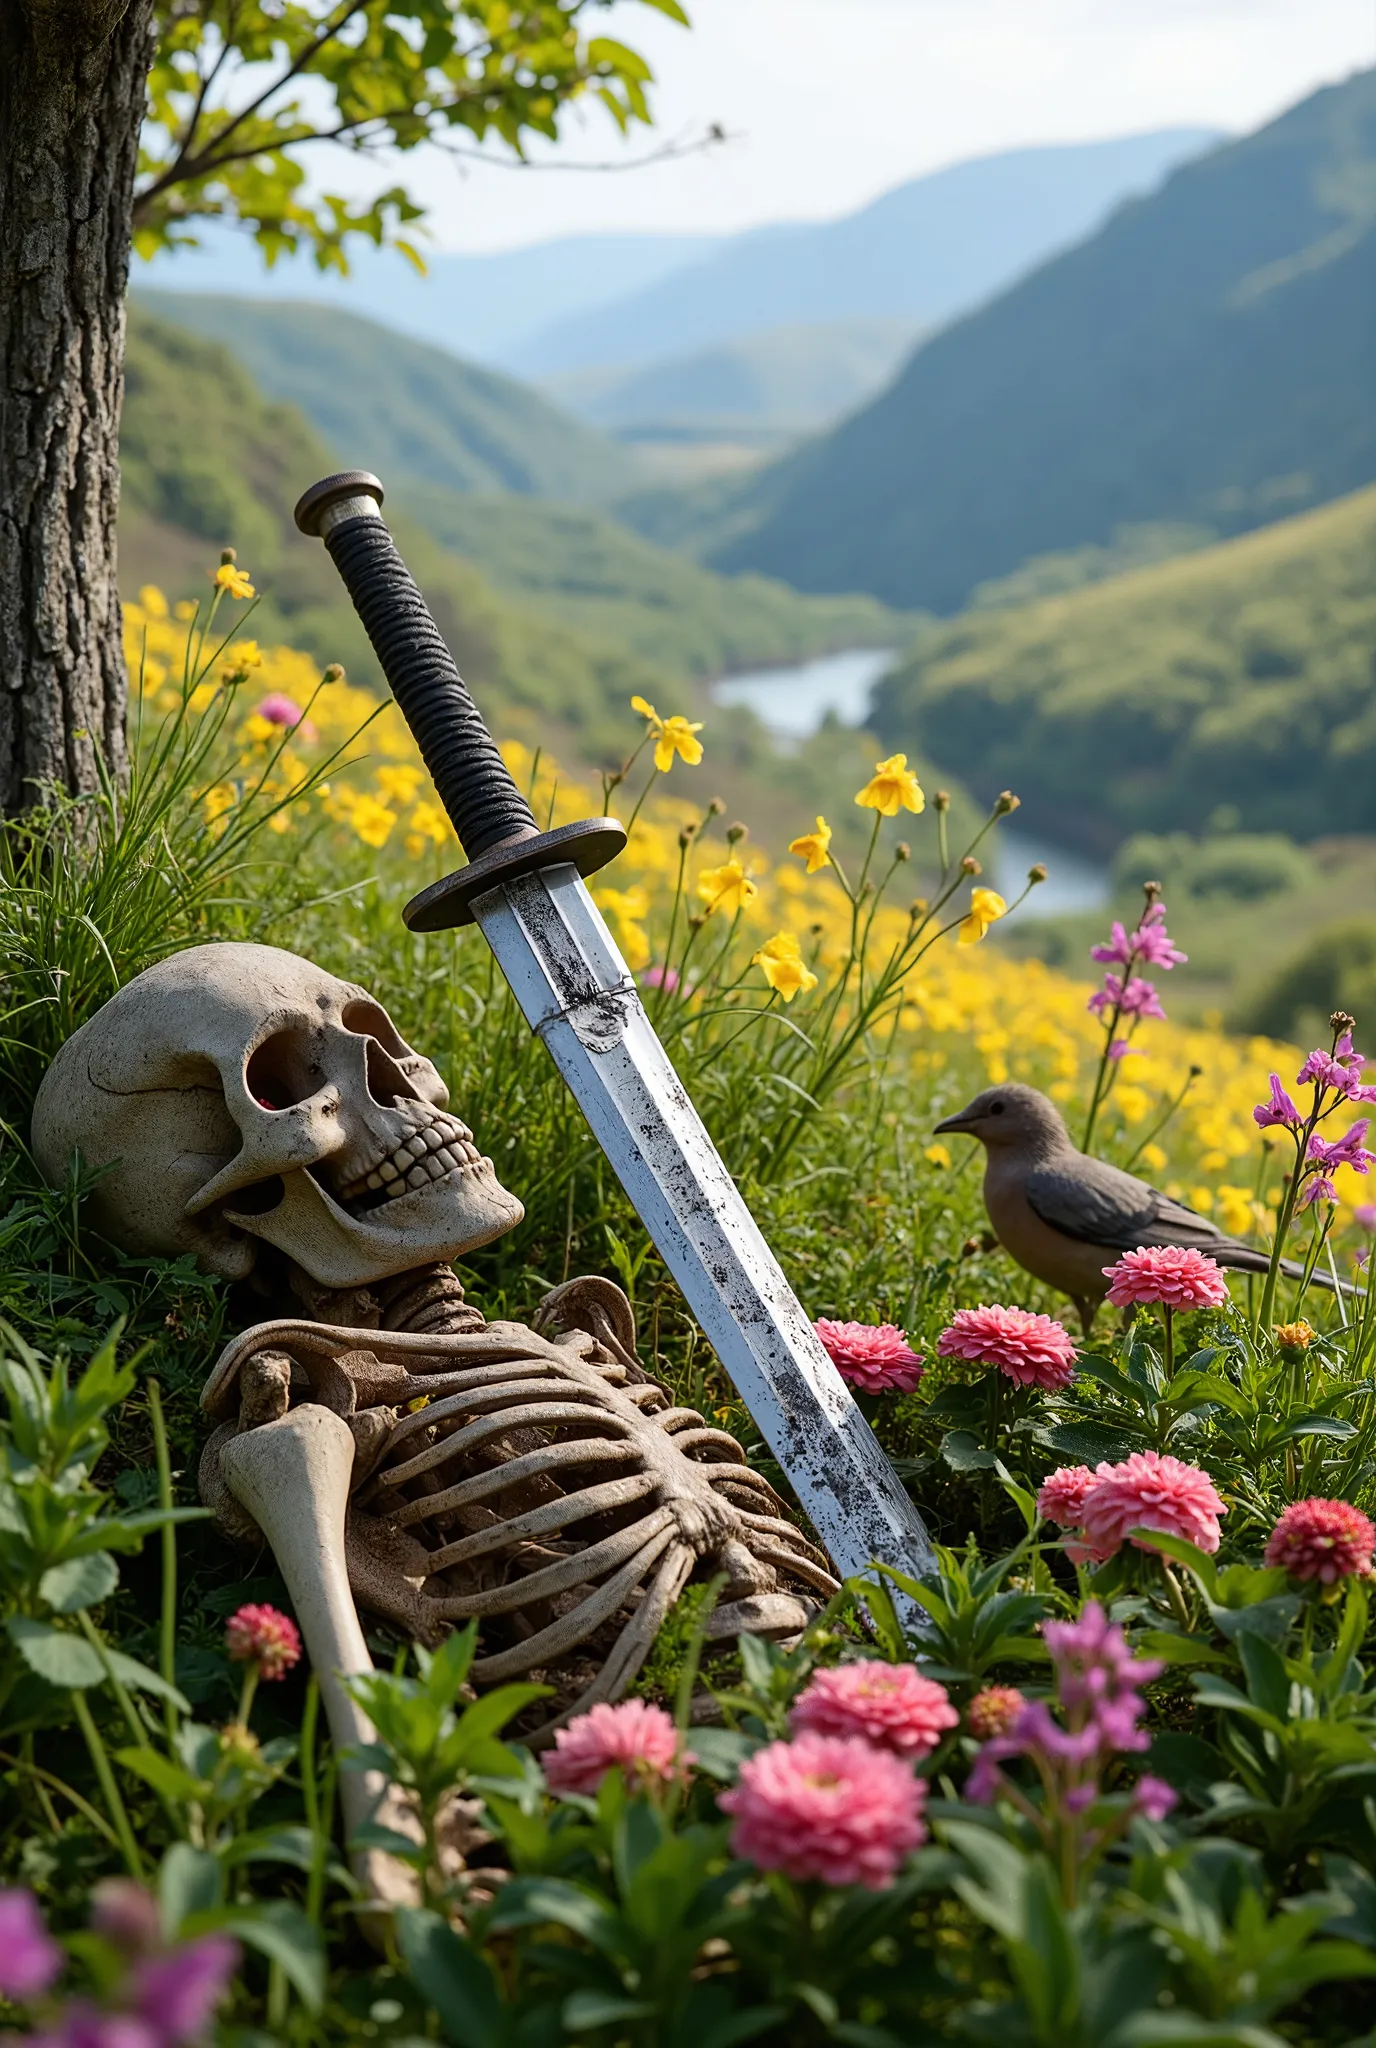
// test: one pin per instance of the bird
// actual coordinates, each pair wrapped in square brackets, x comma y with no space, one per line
[1064,1215]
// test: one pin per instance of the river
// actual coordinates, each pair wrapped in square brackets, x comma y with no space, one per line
[793,702]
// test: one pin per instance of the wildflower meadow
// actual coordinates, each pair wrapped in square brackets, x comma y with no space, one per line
[1106,1778]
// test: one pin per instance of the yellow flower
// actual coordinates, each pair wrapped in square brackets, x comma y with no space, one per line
[938,1155]
[781,962]
[153,601]
[399,785]
[258,731]
[671,736]
[1235,1210]
[892,788]
[1294,1336]
[812,847]
[233,579]
[628,907]
[218,801]
[371,820]
[248,654]
[429,824]
[727,887]
[986,908]
[185,609]
[1155,1160]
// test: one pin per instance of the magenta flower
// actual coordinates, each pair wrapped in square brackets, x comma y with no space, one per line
[1364,1216]
[1340,1069]
[29,1957]
[1325,1540]
[639,1739]
[1319,1189]
[1279,1110]
[1137,999]
[124,1913]
[1176,1276]
[1117,952]
[1345,1151]
[1150,1491]
[873,1357]
[891,1705]
[83,2025]
[177,1993]
[1121,1050]
[661,977]
[263,1636]
[281,710]
[1153,944]
[1032,1350]
[826,1808]
[1154,1798]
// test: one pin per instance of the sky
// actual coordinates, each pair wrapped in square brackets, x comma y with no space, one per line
[827,103]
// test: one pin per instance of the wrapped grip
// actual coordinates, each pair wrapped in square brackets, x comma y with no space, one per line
[470,776]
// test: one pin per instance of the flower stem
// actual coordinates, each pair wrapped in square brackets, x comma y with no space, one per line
[104,1770]
[167,1624]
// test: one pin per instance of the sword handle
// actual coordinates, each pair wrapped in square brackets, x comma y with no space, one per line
[495,824]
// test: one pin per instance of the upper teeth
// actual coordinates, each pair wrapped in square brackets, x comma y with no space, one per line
[429,1154]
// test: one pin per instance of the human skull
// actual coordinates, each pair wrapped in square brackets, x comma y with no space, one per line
[237,1094]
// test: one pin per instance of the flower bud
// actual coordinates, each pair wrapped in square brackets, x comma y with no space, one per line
[942,800]
[971,866]
[1151,890]
[1342,1022]
[902,851]
[1036,873]
[918,908]
[735,833]
[716,807]
[334,673]
[1005,802]
[971,1246]
[697,920]
[228,556]
[1294,1336]
[868,889]
[685,837]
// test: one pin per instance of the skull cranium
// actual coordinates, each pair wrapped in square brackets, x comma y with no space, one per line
[238,1095]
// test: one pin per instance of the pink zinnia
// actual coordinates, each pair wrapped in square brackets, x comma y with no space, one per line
[279,709]
[1175,1275]
[826,1807]
[1150,1491]
[1061,1496]
[993,1711]
[1033,1350]
[892,1705]
[263,1636]
[639,1739]
[873,1357]
[29,1957]
[1325,1540]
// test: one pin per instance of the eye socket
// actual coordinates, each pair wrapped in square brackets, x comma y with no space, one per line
[997,1108]
[370,1020]
[283,1071]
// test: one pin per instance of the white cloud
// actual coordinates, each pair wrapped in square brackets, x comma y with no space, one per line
[830,102]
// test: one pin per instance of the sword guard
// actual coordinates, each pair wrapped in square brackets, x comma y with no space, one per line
[588,846]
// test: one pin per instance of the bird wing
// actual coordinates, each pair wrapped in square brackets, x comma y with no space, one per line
[1100,1204]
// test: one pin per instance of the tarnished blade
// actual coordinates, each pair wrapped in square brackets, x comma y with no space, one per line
[577,994]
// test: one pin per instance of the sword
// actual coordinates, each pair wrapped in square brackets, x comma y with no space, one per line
[525,890]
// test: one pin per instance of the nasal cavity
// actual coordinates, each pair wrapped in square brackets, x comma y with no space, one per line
[387,1084]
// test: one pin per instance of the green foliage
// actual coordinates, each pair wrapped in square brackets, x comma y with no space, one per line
[1334,970]
[1237,679]
[1203,359]
[1238,866]
[237,92]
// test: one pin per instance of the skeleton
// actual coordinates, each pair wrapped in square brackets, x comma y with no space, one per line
[255,1111]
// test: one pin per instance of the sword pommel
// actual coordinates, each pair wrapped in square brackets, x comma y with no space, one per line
[496,827]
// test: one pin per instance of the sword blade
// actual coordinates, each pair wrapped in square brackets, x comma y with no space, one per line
[571,982]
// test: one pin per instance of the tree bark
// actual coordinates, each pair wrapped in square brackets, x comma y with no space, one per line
[72,87]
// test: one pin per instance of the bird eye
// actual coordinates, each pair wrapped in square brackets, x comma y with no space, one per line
[996,1109]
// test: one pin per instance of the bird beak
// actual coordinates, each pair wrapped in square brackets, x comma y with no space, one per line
[953,1123]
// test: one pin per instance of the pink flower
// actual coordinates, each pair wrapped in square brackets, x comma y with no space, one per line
[1176,1276]
[1033,1350]
[1345,1151]
[1340,1069]
[661,977]
[1061,1496]
[1364,1216]
[124,1913]
[1279,1110]
[993,1711]
[639,1739]
[1153,1797]
[177,1993]
[1137,999]
[83,2025]
[1325,1540]
[874,1358]
[1318,1189]
[1121,1050]
[1153,944]
[29,1958]
[281,710]
[1150,1491]
[830,1808]
[891,1705]
[1117,952]
[263,1636]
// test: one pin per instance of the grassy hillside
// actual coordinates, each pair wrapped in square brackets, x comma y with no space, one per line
[402,408]
[1235,684]
[1206,357]
[588,572]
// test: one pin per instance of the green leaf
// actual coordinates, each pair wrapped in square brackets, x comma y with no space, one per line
[373,1835]
[139,1678]
[586,2009]
[79,1582]
[190,1885]
[63,1660]
[1196,1561]
[532,1901]
[720,1752]
[167,1779]
[1088,1443]
[282,1933]
[452,1976]
[1271,1619]
[962,1452]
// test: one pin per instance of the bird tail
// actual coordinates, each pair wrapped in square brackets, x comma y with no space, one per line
[1244,1258]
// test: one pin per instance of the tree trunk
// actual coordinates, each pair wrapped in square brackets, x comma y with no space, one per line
[72,85]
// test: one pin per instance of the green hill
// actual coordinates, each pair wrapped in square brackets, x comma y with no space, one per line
[402,408]
[1232,687]
[1207,357]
